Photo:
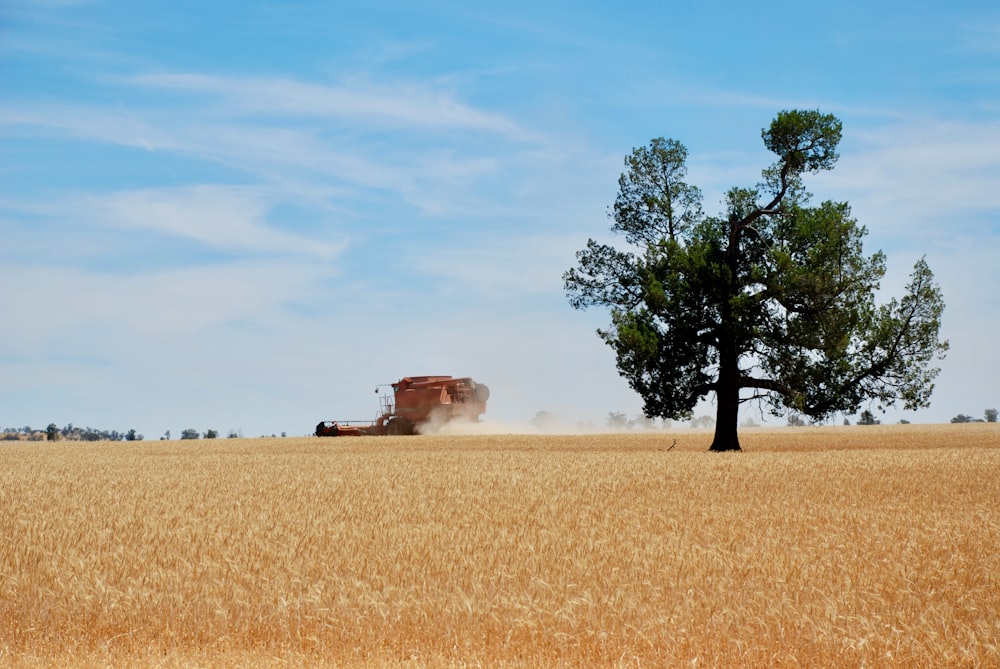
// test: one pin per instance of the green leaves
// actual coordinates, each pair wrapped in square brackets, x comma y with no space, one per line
[905,343]
[653,200]
[805,141]
[605,276]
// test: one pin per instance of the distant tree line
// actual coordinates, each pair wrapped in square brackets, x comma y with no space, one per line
[73,433]
[69,433]
[990,416]
[192,433]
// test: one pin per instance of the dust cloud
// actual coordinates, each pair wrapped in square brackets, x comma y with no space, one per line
[439,425]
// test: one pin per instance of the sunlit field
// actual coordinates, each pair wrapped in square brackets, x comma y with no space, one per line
[815,547]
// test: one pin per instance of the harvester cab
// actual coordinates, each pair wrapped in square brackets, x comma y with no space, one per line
[387,400]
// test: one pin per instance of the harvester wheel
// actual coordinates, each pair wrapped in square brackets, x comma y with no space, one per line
[399,426]
[327,430]
[482,392]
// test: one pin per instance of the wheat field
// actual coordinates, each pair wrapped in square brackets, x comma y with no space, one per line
[848,546]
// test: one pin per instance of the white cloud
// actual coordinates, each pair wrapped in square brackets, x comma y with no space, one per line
[403,104]
[51,302]
[929,179]
[280,151]
[440,176]
[226,218]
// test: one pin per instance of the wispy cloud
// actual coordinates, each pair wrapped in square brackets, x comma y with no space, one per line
[225,218]
[54,302]
[400,104]
[926,178]
[411,138]
[983,36]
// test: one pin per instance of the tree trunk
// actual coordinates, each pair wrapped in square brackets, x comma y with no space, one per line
[727,389]
[728,396]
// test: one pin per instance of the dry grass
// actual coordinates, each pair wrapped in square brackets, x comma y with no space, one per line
[816,547]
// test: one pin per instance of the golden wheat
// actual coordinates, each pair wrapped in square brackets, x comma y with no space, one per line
[874,546]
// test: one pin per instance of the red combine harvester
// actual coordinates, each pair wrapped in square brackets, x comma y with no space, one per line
[417,400]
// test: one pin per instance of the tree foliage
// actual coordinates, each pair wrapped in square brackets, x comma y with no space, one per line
[868,418]
[773,299]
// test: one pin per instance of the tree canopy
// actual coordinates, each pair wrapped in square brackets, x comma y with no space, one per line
[773,299]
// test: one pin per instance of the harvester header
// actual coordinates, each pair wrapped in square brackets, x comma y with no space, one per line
[416,401]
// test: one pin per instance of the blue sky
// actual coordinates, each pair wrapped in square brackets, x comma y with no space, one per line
[244,216]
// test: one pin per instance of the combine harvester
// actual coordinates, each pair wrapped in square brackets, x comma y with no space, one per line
[417,401]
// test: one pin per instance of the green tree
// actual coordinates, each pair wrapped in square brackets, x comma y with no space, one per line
[52,432]
[190,433]
[868,418]
[772,300]
[991,415]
